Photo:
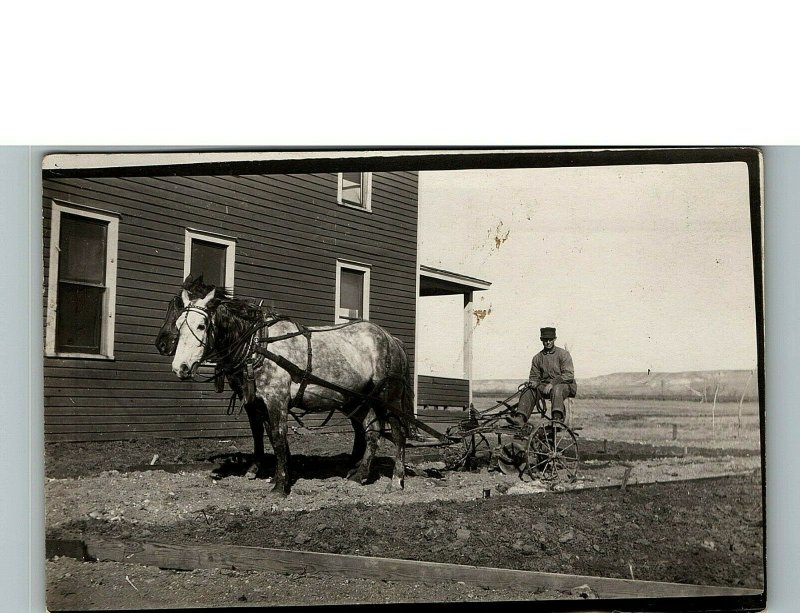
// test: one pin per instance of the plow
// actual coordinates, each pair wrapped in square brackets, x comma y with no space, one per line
[543,448]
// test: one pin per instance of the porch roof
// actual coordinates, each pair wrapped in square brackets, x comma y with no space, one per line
[438,282]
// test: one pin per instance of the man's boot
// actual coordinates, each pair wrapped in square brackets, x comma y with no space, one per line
[517,419]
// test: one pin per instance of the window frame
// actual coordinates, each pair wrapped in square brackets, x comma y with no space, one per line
[228,242]
[108,314]
[357,267]
[366,192]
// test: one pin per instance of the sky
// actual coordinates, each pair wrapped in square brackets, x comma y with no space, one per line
[638,267]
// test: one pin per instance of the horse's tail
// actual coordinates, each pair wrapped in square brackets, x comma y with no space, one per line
[407,393]
[401,369]
[408,396]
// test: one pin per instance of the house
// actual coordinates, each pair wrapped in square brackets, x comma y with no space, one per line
[323,240]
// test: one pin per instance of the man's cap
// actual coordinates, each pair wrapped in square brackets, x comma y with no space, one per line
[547,333]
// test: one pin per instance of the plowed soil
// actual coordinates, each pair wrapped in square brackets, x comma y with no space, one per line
[700,532]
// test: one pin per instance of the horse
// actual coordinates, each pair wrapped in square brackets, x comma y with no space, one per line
[277,365]
[167,337]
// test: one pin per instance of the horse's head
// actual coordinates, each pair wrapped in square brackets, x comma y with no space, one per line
[194,325]
[167,339]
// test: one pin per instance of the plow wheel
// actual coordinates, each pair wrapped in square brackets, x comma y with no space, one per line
[552,452]
[467,454]
[475,446]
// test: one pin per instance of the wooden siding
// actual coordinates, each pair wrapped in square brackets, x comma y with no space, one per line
[289,232]
[442,391]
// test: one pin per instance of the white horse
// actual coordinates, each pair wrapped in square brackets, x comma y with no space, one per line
[276,364]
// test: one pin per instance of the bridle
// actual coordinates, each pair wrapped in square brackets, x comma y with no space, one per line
[207,317]
[238,351]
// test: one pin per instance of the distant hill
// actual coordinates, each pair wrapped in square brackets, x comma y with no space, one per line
[689,385]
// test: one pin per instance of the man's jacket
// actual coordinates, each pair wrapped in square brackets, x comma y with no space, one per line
[554,367]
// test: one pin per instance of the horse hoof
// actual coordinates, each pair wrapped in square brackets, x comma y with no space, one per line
[251,474]
[392,487]
[357,478]
[278,492]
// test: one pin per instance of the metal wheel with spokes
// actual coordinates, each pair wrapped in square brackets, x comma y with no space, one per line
[466,454]
[475,446]
[552,452]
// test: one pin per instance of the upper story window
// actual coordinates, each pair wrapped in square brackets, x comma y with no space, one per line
[82,283]
[210,255]
[352,291]
[355,189]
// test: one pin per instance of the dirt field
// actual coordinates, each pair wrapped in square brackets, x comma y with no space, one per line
[698,424]
[699,532]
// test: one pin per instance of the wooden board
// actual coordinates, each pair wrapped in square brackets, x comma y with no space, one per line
[190,557]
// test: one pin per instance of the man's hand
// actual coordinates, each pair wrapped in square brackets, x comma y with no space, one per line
[547,388]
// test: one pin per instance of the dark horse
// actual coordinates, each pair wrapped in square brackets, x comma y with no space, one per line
[276,365]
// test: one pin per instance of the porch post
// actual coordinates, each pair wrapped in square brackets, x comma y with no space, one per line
[468,341]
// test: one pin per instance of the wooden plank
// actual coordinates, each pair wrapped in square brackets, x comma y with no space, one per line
[53,437]
[442,391]
[429,430]
[166,428]
[446,385]
[190,557]
[442,399]
[442,380]
[169,419]
[433,397]
[71,548]
[454,387]
[123,406]
[142,419]
[222,433]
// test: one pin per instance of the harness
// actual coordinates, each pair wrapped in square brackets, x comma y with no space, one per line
[248,353]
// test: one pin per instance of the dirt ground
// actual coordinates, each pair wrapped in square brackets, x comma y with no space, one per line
[701,532]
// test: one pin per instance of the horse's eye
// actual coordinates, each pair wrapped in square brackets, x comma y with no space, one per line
[201,327]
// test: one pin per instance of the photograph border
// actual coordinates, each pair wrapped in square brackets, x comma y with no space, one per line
[454,158]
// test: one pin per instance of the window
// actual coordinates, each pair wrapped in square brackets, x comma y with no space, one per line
[352,291]
[210,255]
[81,283]
[355,189]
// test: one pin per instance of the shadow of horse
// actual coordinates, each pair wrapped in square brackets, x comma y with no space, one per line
[236,464]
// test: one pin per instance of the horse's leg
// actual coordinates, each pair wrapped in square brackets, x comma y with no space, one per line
[372,432]
[359,444]
[278,430]
[399,440]
[255,415]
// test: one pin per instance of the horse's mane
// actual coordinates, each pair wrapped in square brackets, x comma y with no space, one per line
[235,319]
[231,307]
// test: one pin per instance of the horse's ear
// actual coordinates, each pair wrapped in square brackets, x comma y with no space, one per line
[185,298]
[204,301]
[192,283]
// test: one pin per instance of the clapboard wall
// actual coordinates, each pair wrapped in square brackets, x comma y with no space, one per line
[442,392]
[289,232]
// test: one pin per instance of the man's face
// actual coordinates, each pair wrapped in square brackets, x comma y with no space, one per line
[548,343]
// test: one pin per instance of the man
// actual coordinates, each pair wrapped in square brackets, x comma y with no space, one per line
[553,375]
